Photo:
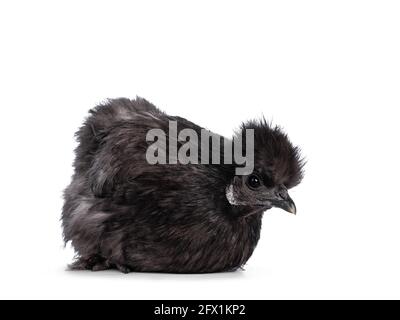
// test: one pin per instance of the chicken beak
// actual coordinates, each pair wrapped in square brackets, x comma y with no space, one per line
[287,205]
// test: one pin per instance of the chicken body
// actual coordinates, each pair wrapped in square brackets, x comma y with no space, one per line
[122,212]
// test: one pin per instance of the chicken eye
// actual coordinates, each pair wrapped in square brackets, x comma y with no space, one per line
[253,181]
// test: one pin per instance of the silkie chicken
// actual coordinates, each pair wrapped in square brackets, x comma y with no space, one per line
[122,212]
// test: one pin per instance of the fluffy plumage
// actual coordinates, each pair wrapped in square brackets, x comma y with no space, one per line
[121,212]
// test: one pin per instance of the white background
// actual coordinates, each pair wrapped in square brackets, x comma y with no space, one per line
[327,71]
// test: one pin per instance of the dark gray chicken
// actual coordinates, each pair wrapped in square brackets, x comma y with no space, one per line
[122,212]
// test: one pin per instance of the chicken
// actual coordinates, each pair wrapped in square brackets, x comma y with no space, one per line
[122,212]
